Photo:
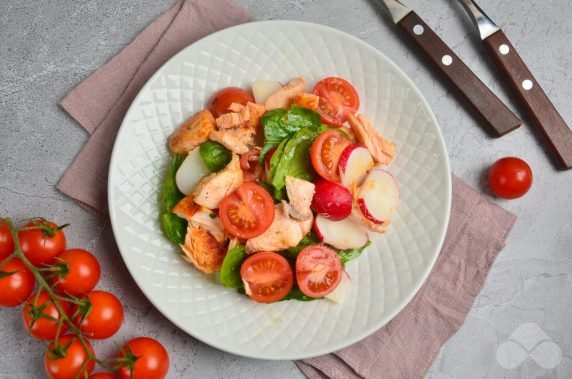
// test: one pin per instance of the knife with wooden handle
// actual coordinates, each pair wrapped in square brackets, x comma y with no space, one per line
[534,100]
[476,95]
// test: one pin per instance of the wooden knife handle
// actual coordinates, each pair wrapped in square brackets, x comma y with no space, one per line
[539,107]
[478,97]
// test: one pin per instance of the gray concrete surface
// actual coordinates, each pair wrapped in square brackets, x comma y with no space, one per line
[48,46]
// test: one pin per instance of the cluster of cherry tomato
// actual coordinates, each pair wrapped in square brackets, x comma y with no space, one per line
[65,309]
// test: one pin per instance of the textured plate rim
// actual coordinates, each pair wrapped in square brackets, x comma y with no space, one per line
[399,305]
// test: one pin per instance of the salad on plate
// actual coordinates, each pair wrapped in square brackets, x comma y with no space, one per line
[274,190]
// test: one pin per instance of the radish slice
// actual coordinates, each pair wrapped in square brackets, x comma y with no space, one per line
[355,162]
[344,234]
[338,295]
[191,171]
[262,89]
[378,196]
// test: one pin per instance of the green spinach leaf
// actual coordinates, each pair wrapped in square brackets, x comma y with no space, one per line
[280,123]
[350,254]
[214,155]
[277,156]
[303,118]
[230,270]
[174,227]
[293,159]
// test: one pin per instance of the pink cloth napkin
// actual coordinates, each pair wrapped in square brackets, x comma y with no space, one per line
[404,348]
[100,102]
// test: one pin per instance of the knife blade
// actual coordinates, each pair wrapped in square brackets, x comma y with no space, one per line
[475,94]
[520,80]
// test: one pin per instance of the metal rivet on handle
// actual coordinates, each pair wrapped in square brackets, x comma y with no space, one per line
[418,29]
[504,49]
[527,84]
[447,60]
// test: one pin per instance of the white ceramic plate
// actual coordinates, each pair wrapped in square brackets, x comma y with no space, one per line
[384,278]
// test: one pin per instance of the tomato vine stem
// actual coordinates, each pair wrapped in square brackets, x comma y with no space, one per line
[55,298]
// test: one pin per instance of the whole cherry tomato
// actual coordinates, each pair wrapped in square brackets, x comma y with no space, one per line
[103,315]
[510,178]
[40,246]
[67,359]
[40,316]
[6,241]
[144,358]
[81,272]
[16,283]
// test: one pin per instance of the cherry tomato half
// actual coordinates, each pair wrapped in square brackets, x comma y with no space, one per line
[338,99]
[267,277]
[41,316]
[83,272]
[247,212]
[220,101]
[38,246]
[510,177]
[325,154]
[16,283]
[318,270]
[105,317]
[70,365]
[6,241]
[152,359]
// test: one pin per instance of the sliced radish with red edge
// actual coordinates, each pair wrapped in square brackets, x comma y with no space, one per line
[355,162]
[344,234]
[378,196]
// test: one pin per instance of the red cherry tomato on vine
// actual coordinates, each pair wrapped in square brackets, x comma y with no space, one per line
[81,272]
[39,246]
[104,316]
[40,316]
[510,177]
[6,241]
[16,283]
[66,361]
[144,358]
